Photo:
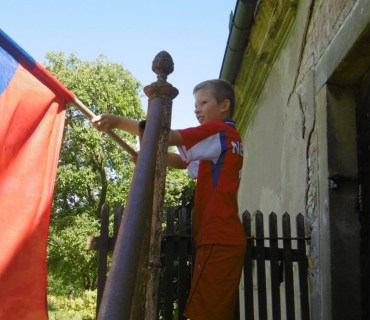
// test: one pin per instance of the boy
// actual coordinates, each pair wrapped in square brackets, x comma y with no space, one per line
[213,154]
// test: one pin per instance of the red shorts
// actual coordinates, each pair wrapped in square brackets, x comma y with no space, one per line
[215,284]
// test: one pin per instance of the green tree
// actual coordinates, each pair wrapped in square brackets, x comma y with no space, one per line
[92,169]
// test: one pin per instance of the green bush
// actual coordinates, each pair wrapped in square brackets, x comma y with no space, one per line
[83,307]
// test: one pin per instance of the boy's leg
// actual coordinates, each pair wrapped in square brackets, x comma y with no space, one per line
[215,284]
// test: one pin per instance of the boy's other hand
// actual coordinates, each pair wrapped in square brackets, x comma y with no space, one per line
[105,122]
[133,160]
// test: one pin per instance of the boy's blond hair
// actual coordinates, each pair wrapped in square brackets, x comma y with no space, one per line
[221,90]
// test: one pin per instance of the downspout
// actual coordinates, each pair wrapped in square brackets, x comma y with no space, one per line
[240,27]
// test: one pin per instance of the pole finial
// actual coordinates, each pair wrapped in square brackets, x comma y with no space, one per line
[162,65]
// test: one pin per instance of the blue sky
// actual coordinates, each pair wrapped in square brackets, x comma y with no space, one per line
[131,33]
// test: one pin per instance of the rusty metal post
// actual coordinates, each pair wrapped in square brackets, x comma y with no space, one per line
[119,289]
[164,90]
[124,294]
[146,290]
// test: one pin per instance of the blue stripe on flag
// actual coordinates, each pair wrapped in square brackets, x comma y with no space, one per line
[16,51]
[8,67]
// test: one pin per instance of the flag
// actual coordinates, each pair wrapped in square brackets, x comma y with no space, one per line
[32,112]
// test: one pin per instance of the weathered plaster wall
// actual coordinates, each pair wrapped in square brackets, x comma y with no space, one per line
[273,175]
[271,172]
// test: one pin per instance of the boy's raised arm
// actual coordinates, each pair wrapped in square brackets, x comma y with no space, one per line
[109,121]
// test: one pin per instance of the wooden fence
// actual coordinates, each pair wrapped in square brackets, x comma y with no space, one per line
[178,255]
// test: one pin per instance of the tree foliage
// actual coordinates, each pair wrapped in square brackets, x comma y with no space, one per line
[92,169]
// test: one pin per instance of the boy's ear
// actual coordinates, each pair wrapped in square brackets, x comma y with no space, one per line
[225,105]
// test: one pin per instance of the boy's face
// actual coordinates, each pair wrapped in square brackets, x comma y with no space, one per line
[207,109]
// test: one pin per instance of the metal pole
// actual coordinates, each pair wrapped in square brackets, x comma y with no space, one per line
[146,290]
[124,293]
[164,90]
[119,289]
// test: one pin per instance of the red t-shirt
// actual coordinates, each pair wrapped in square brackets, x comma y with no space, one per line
[213,154]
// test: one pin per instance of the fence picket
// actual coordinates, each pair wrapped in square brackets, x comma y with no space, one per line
[182,263]
[302,268]
[237,310]
[170,246]
[118,211]
[274,267]
[248,275]
[288,268]
[261,271]
[103,254]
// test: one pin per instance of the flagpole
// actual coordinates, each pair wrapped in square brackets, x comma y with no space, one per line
[90,115]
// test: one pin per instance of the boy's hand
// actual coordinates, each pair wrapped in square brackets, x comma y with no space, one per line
[109,121]
[105,122]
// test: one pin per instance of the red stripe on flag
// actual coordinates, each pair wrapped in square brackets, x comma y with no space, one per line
[50,81]
[30,137]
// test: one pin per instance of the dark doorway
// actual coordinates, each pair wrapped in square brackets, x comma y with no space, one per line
[363,147]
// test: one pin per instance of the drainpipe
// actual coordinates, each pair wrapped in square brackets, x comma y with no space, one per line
[240,27]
